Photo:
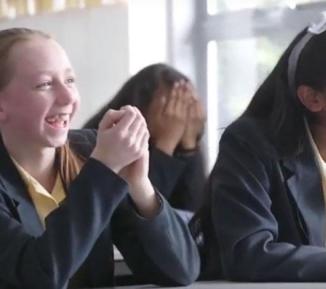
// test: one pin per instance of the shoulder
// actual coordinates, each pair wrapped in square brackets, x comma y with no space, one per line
[248,126]
[82,140]
[250,133]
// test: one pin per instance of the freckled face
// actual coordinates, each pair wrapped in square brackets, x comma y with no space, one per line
[40,100]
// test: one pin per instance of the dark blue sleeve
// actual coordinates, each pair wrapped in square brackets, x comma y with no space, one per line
[158,250]
[179,178]
[48,261]
[188,192]
[165,171]
[245,227]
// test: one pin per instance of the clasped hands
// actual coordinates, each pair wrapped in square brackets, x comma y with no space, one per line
[176,118]
[122,145]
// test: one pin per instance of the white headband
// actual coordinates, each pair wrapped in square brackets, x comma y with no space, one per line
[313,29]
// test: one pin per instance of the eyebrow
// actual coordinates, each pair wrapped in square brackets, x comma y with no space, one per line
[67,70]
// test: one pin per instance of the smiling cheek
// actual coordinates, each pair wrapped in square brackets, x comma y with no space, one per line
[33,120]
[27,115]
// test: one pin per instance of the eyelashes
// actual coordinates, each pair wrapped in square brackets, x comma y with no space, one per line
[48,84]
[44,85]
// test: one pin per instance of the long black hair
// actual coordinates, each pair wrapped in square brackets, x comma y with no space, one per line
[275,100]
[139,90]
[277,104]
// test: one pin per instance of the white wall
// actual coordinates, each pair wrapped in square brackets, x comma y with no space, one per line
[147,33]
[97,42]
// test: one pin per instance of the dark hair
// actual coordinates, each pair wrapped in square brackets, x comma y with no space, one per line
[278,105]
[139,90]
[284,115]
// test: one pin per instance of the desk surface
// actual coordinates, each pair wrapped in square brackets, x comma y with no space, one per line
[235,285]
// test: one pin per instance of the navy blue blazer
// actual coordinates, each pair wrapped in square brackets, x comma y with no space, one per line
[180,178]
[267,210]
[79,234]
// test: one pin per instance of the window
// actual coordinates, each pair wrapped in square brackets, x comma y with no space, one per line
[242,41]
[217,6]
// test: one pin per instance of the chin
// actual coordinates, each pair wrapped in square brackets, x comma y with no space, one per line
[57,141]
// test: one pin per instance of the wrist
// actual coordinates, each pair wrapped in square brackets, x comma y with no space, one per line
[144,198]
[188,145]
[98,156]
[166,147]
[186,153]
[141,185]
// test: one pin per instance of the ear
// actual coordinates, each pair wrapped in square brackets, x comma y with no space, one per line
[313,100]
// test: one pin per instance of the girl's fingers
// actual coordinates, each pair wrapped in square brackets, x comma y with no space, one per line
[200,111]
[128,118]
[139,139]
[143,140]
[193,110]
[137,127]
[172,99]
[192,91]
[110,118]
[184,101]
[157,104]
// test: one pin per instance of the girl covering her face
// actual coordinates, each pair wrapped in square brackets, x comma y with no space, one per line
[175,118]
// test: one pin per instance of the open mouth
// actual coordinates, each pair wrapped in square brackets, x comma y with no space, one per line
[60,120]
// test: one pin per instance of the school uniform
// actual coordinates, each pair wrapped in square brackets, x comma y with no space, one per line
[180,178]
[267,209]
[73,247]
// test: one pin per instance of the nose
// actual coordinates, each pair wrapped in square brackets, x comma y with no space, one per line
[66,94]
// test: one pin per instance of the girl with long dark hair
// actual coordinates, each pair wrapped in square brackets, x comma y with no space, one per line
[265,218]
[175,119]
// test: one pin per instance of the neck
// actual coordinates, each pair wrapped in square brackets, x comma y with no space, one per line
[39,163]
[318,131]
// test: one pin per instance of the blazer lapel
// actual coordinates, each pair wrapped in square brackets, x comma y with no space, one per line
[304,183]
[15,188]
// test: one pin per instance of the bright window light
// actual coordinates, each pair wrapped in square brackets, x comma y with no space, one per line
[211,7]
[212,103]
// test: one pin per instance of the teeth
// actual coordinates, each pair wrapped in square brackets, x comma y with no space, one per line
[51,119]
[62,118]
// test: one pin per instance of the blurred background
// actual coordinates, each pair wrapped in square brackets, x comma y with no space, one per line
[227,47]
